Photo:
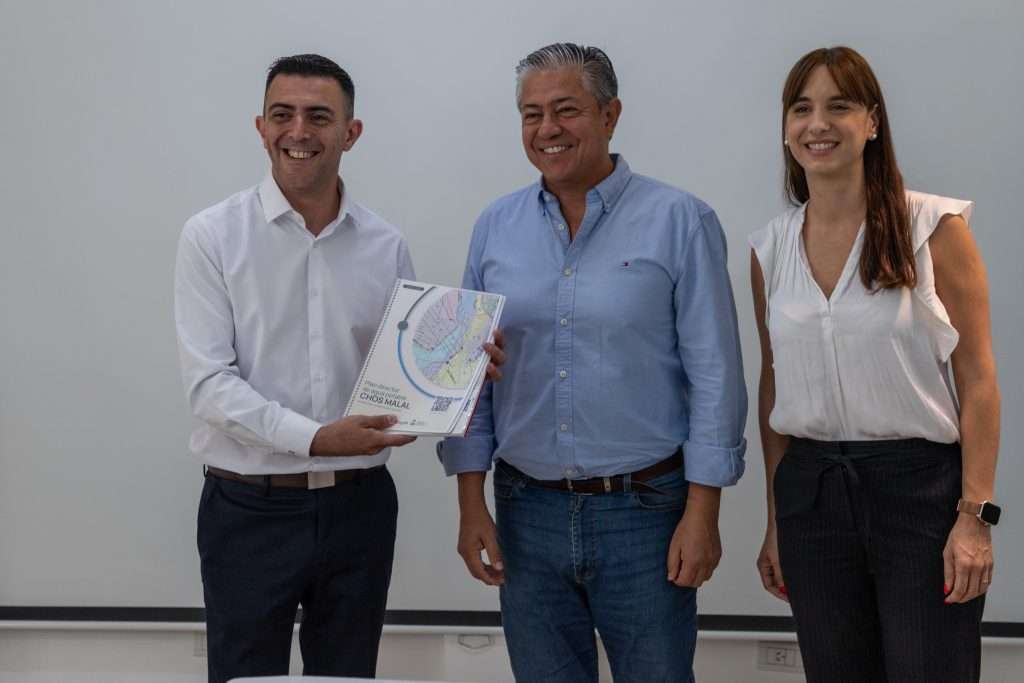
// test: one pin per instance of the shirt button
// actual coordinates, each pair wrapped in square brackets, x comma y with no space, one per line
[567,272]
[563,322]
[564,427]
[563,374]
[313,293]
[561,226]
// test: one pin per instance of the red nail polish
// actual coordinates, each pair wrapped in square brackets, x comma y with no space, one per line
[782,589]
[945,589]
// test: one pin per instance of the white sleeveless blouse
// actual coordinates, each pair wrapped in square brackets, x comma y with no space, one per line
[859,366]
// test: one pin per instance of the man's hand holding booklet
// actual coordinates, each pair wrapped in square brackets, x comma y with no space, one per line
[427,362]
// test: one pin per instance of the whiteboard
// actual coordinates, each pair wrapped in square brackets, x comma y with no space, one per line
[121,119]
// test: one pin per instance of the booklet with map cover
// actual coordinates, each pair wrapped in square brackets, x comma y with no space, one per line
[427,363]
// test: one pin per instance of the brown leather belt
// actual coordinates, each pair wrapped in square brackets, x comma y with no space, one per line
[597,485]
[301,480]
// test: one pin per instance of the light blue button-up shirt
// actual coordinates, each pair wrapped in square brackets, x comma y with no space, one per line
[622,342]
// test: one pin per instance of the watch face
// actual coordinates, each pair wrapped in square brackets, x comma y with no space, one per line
[990,513]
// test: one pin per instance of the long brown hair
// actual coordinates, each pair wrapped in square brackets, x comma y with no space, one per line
[887,259]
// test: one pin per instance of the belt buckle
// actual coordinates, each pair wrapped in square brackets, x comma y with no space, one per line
[572,489]
[319,480]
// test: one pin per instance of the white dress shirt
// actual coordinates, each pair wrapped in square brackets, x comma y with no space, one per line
[859,365]
[273,325]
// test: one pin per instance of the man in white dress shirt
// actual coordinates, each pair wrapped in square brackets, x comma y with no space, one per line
[278,292]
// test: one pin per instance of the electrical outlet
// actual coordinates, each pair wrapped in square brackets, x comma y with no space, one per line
[199,644]
[779,657]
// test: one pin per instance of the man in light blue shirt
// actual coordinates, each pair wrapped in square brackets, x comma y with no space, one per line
[622,409]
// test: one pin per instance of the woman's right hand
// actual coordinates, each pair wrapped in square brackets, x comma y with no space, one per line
[768,564]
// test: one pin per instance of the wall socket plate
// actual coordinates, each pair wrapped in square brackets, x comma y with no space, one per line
[773,656]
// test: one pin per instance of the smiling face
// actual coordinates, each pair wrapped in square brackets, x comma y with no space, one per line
[305,128]
[826,131]
[565,131]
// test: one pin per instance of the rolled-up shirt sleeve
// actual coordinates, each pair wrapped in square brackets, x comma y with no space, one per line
[215,391]
[405,268]
[709,348]
[475,451]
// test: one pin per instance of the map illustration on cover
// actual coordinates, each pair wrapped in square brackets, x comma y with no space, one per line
[427,363]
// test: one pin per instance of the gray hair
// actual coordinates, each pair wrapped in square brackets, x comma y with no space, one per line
[598,74]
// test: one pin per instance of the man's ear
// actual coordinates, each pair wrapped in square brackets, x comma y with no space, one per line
[259,129]
[352,133]
[612,112]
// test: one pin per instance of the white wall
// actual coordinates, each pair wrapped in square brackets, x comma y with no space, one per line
[121,118]
[170,657]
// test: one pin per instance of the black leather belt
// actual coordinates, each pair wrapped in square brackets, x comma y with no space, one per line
[597,485]
[300,480]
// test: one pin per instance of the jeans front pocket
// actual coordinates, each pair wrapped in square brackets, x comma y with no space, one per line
[508,482]
[667,492]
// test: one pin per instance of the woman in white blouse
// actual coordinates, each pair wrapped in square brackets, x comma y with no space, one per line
[865,294]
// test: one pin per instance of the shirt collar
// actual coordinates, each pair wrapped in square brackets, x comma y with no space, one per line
[609,189]
[275,204]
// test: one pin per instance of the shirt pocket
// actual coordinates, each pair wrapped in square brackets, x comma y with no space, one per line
[626,293]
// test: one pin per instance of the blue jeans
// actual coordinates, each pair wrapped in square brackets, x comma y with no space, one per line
[576,562]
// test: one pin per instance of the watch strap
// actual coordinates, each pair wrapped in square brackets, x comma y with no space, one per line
[968,507]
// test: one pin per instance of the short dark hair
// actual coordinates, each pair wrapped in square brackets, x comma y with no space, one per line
[314,65]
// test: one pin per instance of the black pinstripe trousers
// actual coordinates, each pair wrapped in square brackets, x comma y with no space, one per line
[861,527]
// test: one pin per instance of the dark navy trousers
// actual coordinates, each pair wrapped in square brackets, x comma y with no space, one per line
[266,551]
[861,528]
